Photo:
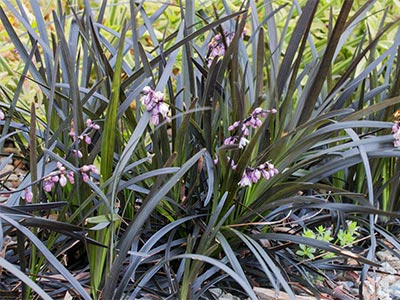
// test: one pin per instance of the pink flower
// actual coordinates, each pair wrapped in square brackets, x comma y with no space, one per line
[252,121]
[71,178]
[77,153]
[243,142]
[154,119]
[85,168]
[63,180]
[216,47]
[233,165]
[245,130]
[233,126]
[89,168]
[158,97]
[268,170]
[28,196]
[92,125]
[395,127]
[88,140]
[148,95]
[230,140]
[265,174]
[246,178]
[94,169]
[253,175]
[85,177]
[154,102]
[163,109]
[60,166]
[48,185]
[396,137]
[257,111]
[147,90]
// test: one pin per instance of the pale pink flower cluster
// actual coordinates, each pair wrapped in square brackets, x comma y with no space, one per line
[396,134]
[2,115]
[62,176]
[59,176]
[253,175]
[253,121]
[216,46]
[92,125]
[230,161]
[154,102]
[85,171]
[85,136]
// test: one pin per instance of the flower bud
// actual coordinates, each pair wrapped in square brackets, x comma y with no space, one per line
[94,169]
[85,177]
[28,196]
[47,185]
[77,153]
[63,180]
[88,140]
[70,176]
[89,123]
[146,90]
[85,168]
[257,111]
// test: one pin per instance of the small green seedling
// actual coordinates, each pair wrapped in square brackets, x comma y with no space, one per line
[345,237]
[307,251]
[348,236]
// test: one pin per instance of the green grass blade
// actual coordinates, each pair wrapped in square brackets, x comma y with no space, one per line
[110,123]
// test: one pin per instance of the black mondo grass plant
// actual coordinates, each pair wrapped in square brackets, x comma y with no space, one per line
[183,151]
